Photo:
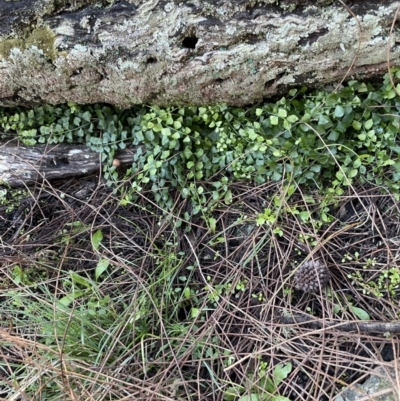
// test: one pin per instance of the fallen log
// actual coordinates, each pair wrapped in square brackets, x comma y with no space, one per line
[21,165]
[188,52]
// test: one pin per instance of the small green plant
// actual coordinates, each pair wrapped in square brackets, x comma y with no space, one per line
[318,139]
[347,257]
[268,217]
[80,320]
[215,291]
[308,240]
[261,386]
[260,297]
[388,281]
[11,198]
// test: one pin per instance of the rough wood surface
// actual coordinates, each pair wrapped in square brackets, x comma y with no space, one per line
[364,327]
[187,52]
[21,165]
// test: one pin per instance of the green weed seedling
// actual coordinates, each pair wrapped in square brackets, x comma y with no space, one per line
[388,281]
[260,386]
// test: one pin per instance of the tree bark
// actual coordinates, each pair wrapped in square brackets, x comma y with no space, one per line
[188,52]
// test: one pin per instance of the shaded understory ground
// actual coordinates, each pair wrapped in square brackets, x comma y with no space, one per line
[101,301]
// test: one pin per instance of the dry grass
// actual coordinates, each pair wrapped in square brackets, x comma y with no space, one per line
[187,313]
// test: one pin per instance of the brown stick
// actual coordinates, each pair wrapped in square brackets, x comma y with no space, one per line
[364,326]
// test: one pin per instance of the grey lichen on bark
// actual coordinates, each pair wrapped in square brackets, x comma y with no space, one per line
[187,52]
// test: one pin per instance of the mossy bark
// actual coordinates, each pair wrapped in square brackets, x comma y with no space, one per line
[187,52]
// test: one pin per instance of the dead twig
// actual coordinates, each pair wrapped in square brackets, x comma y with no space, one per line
[365,327]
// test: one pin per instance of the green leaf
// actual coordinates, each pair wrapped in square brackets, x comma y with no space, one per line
[282,113]
[360,313]
[187,152]
[96,239]
[101,267]
[76,278]
[199,153]
[269,385]
[324,120]
[212,224]
[305,215]
[281,372]
[232,393]
[292,118]
[166,131]
[388,163]
[68,299]
[251,397]
[18,274]
[149,136]
[286,124]
[194,312]
[274,120]
[86,116]
[368,124]
[339,111]
[290,191]
[228,197]
[391,94]
[333,136]
[260,220]
[165,154]
[157,128]
[352,173]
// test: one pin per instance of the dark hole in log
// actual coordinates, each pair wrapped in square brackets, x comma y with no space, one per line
[313,37]
[190,42]
[77,72]
[219,80]
[151,60]
[273,81]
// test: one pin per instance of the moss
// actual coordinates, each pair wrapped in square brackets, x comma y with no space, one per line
[12,198]
[43,38]
[7,45]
